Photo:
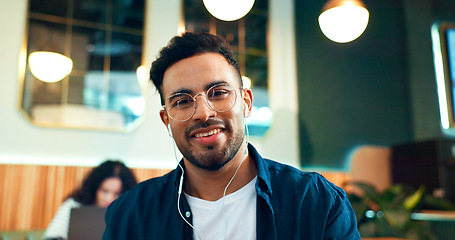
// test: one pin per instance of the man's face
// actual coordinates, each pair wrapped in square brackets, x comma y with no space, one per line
[208,139]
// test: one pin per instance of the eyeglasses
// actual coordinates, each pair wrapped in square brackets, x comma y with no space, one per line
[182,106]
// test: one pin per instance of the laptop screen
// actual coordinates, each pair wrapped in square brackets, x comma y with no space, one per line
[87,223]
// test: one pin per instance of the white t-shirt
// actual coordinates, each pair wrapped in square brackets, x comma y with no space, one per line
[239,217]
[59,225]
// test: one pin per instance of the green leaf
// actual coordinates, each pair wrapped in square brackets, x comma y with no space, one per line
[396,203]
[412,201]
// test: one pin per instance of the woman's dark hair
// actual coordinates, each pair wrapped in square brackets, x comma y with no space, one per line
[187,45]
[86,194]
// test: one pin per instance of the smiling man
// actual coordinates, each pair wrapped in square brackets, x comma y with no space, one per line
[214,138]
[222,188]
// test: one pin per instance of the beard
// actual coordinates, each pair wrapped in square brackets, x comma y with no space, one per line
[212,159]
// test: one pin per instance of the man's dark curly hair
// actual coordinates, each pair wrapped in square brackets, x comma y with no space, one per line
[187,45]
[86,193]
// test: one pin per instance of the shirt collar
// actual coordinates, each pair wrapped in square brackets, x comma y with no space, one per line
[264,184]
[177,172]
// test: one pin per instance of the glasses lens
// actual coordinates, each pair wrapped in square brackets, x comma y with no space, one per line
[180,106]
[221,97]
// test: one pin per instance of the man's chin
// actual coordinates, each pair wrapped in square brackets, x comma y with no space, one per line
[213,167]
[211,161]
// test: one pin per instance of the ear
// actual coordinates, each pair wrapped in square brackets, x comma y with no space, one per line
[247,102]
[164,117]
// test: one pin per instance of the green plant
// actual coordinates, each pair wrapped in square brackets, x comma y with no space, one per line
[388,213]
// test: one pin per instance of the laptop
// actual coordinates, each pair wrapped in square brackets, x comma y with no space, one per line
[87,223]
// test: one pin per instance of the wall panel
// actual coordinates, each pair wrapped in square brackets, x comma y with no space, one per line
[31,194]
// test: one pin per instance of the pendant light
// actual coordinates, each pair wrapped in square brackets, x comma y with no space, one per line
[343,21]
[228,10]
[47,63]
[49,66]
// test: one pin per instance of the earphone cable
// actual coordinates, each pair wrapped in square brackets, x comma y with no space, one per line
[235,173]
[225,189]
[181,189]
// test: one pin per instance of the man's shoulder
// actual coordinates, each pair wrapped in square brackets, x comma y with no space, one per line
[274,170]
[284,170]
[283,173]
[307,197]
[148,202]
[147,190]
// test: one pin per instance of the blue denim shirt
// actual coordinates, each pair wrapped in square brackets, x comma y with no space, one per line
[291,204]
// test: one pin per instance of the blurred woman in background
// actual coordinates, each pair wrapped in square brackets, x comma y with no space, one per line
[102,185]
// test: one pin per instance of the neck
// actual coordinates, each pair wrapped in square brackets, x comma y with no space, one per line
[210,185]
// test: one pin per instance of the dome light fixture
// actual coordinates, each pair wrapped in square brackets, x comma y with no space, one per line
[49,66]
[343,21]
[142,75]
[228,10]
[246,82]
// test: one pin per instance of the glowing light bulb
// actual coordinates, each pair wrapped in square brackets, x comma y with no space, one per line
[49,66]
[344,22]
[142,75]
[228,10]
[246,82]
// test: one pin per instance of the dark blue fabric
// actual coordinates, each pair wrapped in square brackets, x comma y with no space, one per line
[291,204]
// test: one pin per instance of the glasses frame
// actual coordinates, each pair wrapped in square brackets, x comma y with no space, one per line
[206,101]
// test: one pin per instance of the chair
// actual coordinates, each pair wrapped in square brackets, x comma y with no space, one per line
[371,164]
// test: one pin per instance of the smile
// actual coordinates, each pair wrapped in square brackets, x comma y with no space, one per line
[213,132]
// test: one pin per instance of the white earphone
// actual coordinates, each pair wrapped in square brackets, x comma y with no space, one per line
[244,110]
[170,130]
[179,193]
[180,190]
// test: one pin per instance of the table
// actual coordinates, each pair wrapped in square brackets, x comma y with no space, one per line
[443,222]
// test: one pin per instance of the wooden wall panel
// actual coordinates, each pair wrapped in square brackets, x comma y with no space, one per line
[144,174]
[31,194]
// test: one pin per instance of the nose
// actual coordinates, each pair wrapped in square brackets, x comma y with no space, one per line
[109,199]
[202,111]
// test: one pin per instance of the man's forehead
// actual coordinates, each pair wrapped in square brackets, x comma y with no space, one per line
[198,73]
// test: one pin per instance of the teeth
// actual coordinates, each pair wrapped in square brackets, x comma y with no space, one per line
[213,132]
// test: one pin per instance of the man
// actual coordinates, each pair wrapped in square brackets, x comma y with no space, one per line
[222,188]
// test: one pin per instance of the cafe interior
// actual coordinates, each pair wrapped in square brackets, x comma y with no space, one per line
[365,97]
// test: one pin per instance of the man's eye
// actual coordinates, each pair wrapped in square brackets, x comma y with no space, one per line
[218,94]
[182,102]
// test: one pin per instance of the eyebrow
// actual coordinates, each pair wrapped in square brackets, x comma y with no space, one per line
[189,91]
[215,83]
[182,90]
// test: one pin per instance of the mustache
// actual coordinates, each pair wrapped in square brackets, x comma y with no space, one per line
[205,124]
